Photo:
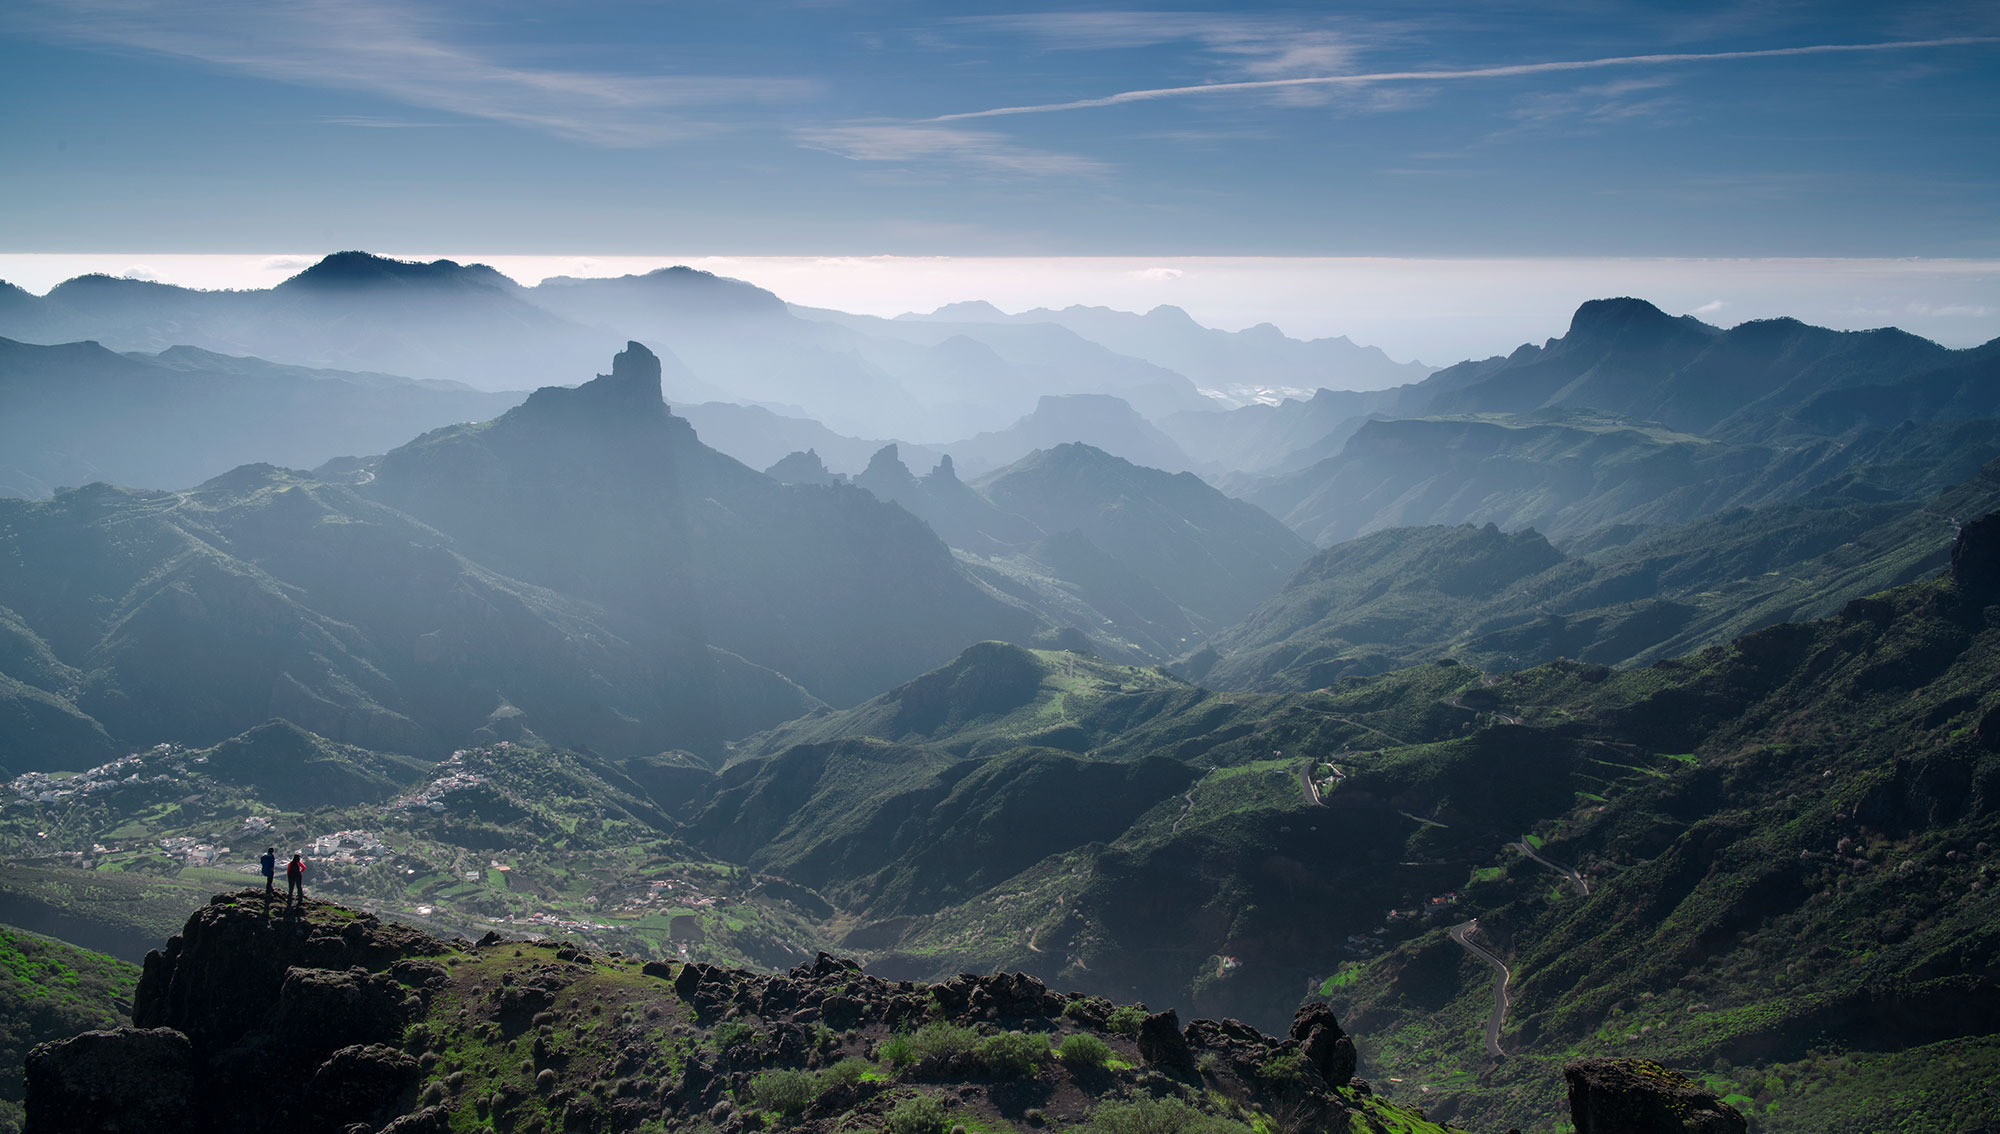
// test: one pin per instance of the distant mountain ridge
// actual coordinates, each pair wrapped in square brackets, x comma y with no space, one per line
[1134,560]
[1638,417]
[1240,364]
[78,413]
[861,376]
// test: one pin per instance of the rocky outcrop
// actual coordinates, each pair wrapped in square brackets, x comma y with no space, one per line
[1161,1043]
[136,1080]
[1325,1047]
[1638,1096]
[252,1018]
[326,1021]
[801,468]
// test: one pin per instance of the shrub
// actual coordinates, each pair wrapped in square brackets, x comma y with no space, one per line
[1126,1018]
[732,1033]
[896,1051]
[1287,1066]
[922,1114]
[787,1092]
[849,1070]
[1158,1116]
[1012,1055]
[937,1039]
[1084,1051]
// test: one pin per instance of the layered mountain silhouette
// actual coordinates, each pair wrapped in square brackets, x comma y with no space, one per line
[1139,561]
[1508,600]
[1241,363]
[721,340]
[78,413]
[1639,418]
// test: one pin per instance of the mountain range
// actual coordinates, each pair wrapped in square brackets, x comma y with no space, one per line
[719,339]
[78,413]
[1632,695]
[1638,418]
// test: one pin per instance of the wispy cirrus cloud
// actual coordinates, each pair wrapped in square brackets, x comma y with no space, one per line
[920,143]
[1591,107]
[1251,46]
[397,51]
[1505,71]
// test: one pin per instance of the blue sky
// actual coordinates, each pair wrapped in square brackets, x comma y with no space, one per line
[825,128]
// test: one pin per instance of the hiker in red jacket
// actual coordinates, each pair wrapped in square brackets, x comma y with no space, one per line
[295,880]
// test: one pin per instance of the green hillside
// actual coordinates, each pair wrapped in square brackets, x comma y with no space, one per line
[50,990]
[1503,601]
[191,616]
[997,696]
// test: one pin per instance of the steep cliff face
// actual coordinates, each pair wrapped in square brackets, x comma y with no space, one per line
[258,1018]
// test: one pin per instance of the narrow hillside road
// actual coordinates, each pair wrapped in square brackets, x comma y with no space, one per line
[1457,701]
[1307,785]
[1501,978]
[1185,812]
[1576,880]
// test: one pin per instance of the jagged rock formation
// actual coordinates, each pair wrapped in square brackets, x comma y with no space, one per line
[1638,1096]
[801,468]
[257,1018]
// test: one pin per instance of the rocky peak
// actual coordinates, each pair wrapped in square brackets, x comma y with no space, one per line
[801,468]
[888,477]
[630,392]
[637,368]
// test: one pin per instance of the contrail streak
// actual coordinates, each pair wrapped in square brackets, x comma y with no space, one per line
[1502,72]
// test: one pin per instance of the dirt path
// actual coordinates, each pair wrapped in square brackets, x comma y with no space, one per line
[1461,933]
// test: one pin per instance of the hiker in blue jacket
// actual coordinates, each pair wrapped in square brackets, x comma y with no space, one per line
[270,864]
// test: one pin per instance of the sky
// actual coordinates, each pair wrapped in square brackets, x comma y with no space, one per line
[1580,133]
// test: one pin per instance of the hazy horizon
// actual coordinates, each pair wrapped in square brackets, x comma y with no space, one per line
[1434,310]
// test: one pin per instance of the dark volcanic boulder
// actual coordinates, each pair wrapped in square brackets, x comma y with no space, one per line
[358,1083]
[1161,1043]
[1323,1044]
[1638,1096]
[139,1080]
[320,1010]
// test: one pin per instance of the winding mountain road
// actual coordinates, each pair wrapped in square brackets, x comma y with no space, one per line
[1461,933]
[1576,880]
[1185,812]
[1502,977]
